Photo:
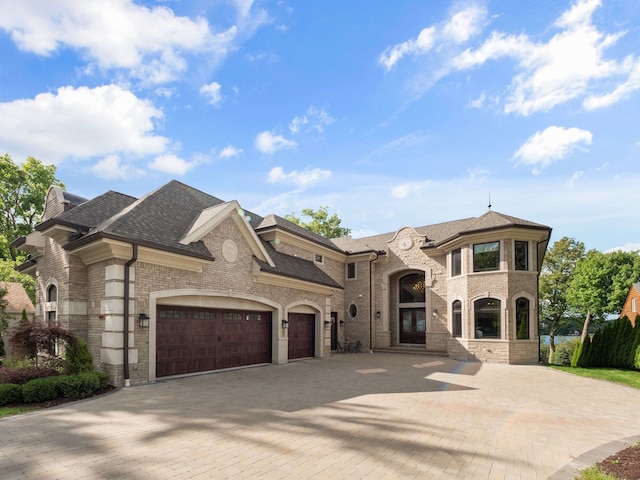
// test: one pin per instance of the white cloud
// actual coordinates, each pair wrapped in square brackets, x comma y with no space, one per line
[627,247]
[463,23]
[211,92]
[230,152]
[552,144]
[111,168]
[80,123]
[420,45]
[301,179]
[478,174]
[409,189]
[172,164]
[269,143]
[149,43]
[297,123]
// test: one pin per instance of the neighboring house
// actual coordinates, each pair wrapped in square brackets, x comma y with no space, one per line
[200,284]
[631,306]
[17,302]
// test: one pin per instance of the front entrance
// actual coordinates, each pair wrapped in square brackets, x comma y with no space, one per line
[413,325]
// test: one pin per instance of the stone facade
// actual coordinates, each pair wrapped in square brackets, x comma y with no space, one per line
[355,292]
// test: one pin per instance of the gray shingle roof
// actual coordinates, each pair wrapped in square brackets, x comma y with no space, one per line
[271,221]
[294,267]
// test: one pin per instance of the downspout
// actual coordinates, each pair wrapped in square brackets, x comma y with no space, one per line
[131,261]
[371,314]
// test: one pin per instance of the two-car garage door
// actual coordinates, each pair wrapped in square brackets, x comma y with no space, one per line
[196,340]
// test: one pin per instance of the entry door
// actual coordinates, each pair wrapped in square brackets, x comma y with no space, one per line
[413,325]
[301,335]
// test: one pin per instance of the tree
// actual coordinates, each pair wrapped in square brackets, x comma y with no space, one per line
[600,284]
[8,273]
[321,223]
[22,192]
[555,277]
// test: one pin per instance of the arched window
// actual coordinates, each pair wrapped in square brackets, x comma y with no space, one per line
[52,304]
[487,318]
[412,288]
[522,318]
[456,311]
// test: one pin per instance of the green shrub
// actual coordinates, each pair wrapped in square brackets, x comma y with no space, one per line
[577,353]
[40,390]
[544,354]
[2,351]
[78,357]
[10,393]
[81,385]
[564,352]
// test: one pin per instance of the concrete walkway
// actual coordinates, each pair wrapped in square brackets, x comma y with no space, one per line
[380,416]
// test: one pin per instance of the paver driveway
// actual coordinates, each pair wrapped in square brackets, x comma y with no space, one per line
[348,416]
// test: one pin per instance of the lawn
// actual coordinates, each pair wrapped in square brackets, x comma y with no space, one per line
[630,378]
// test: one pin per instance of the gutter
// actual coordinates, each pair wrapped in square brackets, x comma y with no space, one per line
[131,261]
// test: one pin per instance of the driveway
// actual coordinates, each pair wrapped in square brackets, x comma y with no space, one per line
[374,416]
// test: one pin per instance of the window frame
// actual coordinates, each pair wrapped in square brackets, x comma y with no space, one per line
[350,275]
[486,310]
[527,311]
[419,299]
[318,258]
[456,319]
[497,253]
[456,261]
[516,243]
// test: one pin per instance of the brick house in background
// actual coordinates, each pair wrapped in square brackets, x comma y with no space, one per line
[17,302]
[200,284]
[631,306]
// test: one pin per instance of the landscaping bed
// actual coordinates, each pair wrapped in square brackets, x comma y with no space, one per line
[625,465]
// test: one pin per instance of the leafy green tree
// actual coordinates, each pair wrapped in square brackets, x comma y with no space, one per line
[600,284]
[321,223]
[555,277]
[9,274]
[22,192]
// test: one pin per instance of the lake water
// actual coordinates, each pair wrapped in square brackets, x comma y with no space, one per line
[544,339]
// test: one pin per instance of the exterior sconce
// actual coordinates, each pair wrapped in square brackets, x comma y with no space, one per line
[435,312]
[378,314]
[327,324]
[143,320]
[342,323]
[285,323]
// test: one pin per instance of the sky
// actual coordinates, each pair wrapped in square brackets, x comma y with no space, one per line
[391,114]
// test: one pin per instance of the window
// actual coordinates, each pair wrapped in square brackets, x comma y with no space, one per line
[52,305]
[633,305]
[319,258]
[351,270]
[456,310]
[412,288]
[522,255]
[456,262]
[486,256]
[522,319]
[487,318]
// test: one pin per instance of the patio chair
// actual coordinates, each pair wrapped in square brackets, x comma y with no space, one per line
[357,348]
[340,347]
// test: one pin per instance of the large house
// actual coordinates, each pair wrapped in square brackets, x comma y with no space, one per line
[200,284]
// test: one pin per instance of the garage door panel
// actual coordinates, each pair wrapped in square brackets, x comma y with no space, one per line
[195,340]
[301,335]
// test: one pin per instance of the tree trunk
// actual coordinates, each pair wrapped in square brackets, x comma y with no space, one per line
[585,328]
[552,342]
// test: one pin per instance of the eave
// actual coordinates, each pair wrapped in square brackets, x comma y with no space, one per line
[107,248]
[277,234]
[268,278]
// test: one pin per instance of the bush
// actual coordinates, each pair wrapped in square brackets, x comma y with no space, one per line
[564,352]
[40,390]
[23,374]
[10,393]
[544,354]
[64,386]
[78,357]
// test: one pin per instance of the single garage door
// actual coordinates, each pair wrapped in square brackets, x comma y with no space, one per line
[301,335]
[198,340]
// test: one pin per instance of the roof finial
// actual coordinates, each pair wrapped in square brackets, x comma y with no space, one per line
[489,201]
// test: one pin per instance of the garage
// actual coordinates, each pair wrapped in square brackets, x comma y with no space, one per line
[198,340]
[301,335]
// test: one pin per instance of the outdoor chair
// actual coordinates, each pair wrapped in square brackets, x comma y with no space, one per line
[340,347]
[357,348]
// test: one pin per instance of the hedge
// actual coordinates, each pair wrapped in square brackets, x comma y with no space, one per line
[63,386]
[10,393]
[617,345]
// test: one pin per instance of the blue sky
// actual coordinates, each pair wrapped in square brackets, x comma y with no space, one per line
[391,113]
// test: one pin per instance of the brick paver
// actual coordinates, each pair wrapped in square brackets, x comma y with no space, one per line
[374,416]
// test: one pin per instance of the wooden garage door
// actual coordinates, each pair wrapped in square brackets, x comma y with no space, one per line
[301,335]
[197,340]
